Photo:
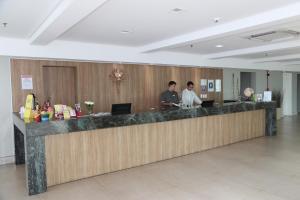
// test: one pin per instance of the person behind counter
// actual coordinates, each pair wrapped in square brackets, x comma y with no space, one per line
[189,97]
[170,96]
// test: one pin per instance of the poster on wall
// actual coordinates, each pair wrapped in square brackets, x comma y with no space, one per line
[203,86]
[211,85]
[203,82]
[218,85]
[26,82]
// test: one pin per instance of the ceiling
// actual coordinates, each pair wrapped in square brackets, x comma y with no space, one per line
[151,21]
[186,26]
[24,17]
[236,41]
[272,54]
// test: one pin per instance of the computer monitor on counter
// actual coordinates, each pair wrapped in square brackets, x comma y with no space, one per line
[121,109]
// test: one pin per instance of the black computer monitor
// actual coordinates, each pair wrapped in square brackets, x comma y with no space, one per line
[121,109]
[207,104]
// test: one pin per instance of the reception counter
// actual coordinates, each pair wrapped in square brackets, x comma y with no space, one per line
[57,152]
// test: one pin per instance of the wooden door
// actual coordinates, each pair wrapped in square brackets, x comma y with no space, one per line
[60,85]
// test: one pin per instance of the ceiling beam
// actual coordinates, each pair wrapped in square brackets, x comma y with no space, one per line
[280,15]
[291,63]
[282,59]
[255,50]
[66,15]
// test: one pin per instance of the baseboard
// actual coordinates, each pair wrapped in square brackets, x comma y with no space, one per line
[7,160]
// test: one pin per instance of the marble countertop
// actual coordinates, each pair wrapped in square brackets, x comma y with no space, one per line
[92,123]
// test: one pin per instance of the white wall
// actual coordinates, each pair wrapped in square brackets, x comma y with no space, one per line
[275,81]
[294,94]
[298,92]
[287,94]
[6,124]
[290,94]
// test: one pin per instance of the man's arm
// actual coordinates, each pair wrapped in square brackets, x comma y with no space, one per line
[197,100]
[164,103]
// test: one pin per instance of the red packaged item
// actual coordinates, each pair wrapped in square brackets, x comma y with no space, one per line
[37,118]
[78,110]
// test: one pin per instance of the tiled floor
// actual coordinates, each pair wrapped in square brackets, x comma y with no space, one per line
[265,168]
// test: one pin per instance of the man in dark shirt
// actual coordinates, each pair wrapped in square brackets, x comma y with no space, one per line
[169,97]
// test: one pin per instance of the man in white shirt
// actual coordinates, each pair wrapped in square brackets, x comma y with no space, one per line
[189,97]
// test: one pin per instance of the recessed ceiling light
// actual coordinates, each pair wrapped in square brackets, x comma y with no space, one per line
[217,19]
[219,46]
[177,10]
[125,31]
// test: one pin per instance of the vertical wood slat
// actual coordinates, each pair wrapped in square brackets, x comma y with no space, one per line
[142,86]
[79,155]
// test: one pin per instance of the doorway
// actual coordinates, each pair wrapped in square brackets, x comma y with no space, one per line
[248,80]
[60,85]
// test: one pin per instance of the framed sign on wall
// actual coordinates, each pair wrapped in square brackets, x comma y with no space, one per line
[218,85]
[203,86]
[211,85]
[26,82]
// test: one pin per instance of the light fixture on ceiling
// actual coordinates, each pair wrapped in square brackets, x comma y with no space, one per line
[125,31]
[217,20]
[176,9]
[275,36]
[219,46]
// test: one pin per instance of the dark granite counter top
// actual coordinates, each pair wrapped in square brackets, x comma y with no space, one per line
[92,123]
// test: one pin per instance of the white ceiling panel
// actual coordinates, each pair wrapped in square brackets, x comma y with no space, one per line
[235,42]
[24,16]
[150,21]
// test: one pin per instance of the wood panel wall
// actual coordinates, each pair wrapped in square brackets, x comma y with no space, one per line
[142,86]
[80,155]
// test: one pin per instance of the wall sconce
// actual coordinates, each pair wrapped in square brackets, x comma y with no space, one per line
[117,74]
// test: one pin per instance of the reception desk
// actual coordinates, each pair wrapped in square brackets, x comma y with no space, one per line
[57,152]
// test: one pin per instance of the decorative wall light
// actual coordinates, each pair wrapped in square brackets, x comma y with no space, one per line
[117,74]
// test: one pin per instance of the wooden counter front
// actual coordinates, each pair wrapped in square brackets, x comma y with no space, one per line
[74,156]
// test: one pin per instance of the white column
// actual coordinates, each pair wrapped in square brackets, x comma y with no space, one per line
[287,94]
[6,123]
[298,94]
